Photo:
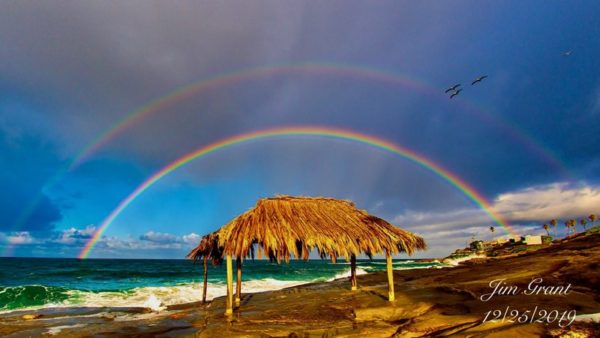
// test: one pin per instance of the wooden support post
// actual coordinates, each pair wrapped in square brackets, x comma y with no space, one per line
[205,279]
[353,272]
[390,275]
[238,291]
[229,301]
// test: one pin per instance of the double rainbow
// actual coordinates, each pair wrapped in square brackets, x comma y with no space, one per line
[180,94]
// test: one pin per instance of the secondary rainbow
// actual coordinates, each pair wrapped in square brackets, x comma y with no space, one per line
[341,134]
[231,78]
[310,68]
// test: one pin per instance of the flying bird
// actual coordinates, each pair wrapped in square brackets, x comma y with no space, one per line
[456,92]
[479,79]
[452,89]
[567,53]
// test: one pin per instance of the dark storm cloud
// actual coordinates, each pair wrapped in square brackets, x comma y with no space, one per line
[98,63]
[15,216]
[27,163]
[101,61]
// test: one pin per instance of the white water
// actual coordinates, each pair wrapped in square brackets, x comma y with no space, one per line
[455,262]
[158,298]
[393,263]
[346,273]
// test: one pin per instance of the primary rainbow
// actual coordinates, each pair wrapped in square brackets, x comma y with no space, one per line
[342,134]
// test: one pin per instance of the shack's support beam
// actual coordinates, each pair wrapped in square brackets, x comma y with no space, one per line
[390,275]
[353,272]
[238,291]
[205,279]
[229,306]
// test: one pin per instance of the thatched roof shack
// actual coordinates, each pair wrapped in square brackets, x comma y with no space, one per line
[283,226]
[287,225]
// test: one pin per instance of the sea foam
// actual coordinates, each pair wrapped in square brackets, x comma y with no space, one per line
[156,298]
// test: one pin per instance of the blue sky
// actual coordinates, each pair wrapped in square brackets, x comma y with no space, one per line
[68,72]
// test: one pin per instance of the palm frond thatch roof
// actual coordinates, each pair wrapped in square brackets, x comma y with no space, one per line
[208,248]
[286,225]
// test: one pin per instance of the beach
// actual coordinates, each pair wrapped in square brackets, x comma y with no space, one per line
[429,302]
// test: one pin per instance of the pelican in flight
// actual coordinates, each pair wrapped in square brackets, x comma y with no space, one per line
[479,79]
[456,92]
[452,89]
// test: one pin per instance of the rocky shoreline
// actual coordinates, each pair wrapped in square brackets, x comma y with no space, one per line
[429,302]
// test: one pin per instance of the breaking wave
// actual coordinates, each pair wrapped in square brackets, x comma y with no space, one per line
[154,297]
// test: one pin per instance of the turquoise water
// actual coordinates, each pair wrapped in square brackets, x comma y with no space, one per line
[35,283]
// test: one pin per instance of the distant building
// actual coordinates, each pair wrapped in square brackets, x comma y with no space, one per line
[533,240]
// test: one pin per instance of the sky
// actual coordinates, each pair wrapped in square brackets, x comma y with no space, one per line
[527,137]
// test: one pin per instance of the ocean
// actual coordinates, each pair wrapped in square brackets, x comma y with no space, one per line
[33,283]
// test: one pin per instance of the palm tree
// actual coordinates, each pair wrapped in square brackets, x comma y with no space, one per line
[568,225]
[573,225]
[583,222]
[554,222]
[546,227]
[593,219]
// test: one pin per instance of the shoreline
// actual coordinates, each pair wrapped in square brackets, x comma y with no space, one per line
[160,296]
[428,302]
